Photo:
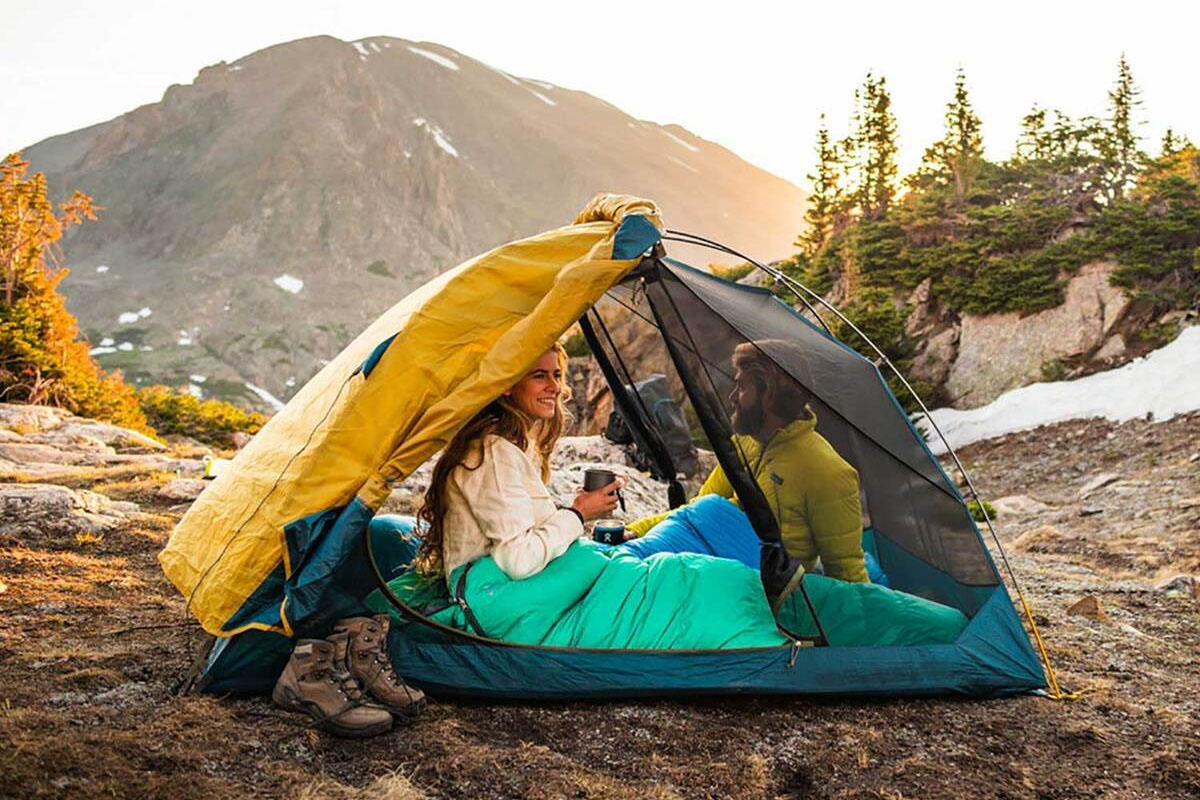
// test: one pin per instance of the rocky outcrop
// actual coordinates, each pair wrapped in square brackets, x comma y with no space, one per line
[999,352]
[42,443]
[39,508]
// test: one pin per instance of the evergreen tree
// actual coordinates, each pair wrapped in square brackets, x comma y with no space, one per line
[42,359]
[955,159]
[875,146]
[825,201]
[1173,143]
[1034,142]
[1117,141]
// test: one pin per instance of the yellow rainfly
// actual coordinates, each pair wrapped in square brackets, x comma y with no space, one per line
[460,340]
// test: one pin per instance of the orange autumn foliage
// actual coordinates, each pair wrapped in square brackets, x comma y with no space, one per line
[42,359]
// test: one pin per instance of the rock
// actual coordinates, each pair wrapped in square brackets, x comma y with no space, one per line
[1190,502]
[240,439]
[1018,504]
[999,352]
[1037,540]
[1090,511]
[1180,586]
[1103,479]
[45,508]
[182,489]
[1089,607]
[110,434]
[24,419]
[1113,347]
[32,453]
[933,360]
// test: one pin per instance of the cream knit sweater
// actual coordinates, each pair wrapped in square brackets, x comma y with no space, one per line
[502,508]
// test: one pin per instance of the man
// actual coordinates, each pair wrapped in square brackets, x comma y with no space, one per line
[812,491]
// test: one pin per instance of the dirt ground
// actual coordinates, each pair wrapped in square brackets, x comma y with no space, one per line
[92,637]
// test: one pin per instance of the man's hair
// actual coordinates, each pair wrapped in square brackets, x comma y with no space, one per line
[759,361]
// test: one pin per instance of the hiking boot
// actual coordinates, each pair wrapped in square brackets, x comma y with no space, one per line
[317,682]
[368,661]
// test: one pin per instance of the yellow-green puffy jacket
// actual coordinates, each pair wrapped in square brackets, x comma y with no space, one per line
[813,493]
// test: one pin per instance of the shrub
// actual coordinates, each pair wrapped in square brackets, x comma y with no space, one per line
[576,345]
[42,358]
[379,267]
[977,513]
[209,421]
[732,273]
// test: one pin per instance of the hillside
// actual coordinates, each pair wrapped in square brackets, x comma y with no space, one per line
[258,218]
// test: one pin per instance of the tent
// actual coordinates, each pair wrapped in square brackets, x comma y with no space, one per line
[279,545]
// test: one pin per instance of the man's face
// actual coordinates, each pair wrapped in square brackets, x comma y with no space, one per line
[746,401]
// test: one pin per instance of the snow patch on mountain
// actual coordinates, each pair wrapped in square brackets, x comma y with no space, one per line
[676,139]
[1159,386]
[268,398]
[102,269]
[684,164]
[99,351]
[434,57]
[289,283]
[363,52]
[439,137]
[543,98]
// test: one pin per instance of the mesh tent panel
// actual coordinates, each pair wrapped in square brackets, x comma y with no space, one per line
[907,498]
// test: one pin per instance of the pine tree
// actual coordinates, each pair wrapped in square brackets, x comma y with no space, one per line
[1118,139]
[42,360]
[825,201]
[1034,141]
[955,158]
[1173,143]
[875,148]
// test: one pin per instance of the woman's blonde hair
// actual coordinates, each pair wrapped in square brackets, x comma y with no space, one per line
[502,418]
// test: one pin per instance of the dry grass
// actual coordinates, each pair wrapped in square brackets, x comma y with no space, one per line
[93,637]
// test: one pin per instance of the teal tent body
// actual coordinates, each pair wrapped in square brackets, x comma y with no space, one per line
[918,526]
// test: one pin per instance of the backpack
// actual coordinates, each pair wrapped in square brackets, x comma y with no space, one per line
[667,418]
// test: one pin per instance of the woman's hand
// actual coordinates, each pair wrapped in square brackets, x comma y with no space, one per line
[597,504]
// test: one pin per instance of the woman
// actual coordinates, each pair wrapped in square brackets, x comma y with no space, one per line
[488,494]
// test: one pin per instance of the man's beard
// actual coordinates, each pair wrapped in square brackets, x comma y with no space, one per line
[748,421]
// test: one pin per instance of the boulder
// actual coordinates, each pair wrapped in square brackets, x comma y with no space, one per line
[182,490]
[1180,586]
[45,508]
[110,434]
[933,360]
[240,439]
[1113,347]
[1037,540]
[1018,504]
[1089,607]
[1097,482]
[33,453]
[998,352]
[24,419]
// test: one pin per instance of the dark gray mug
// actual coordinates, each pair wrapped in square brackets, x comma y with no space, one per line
[594,479]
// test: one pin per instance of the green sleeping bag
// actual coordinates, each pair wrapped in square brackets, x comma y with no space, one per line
[594,598]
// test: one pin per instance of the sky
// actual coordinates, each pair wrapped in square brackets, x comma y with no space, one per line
[752,76]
